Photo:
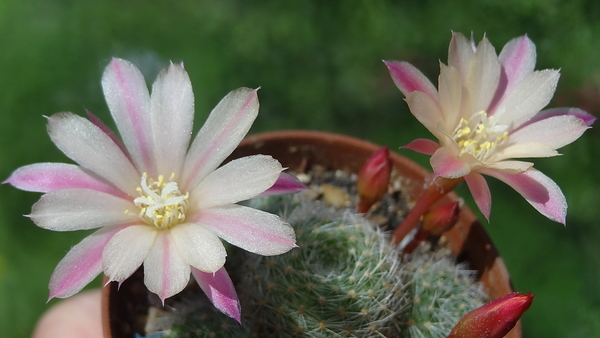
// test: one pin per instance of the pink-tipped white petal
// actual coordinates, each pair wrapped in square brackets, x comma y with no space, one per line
[587,118]
[95,120]
[423,146]
[481,193]
[165,272]
[527,98]
[539,190]
[172,109]
[219,289]
[226,126]
[250,229]
[46,177]
[199,247]
[556,131]
[128,100]
[517,59]
[237,180]
[445,164]
[80,209]
[460,54]
[286,184]
[81,264]
[483,77]
[127,250]
[426,110]
[93,149]
[409,79]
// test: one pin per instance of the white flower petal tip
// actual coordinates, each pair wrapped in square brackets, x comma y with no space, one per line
[486,114]
[286,184]
[219,289]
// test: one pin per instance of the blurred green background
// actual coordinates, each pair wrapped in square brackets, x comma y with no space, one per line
[319,66]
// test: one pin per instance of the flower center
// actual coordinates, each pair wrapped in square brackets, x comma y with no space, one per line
[161,203]
[479,135]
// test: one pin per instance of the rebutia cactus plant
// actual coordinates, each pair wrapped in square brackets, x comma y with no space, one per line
[344,280]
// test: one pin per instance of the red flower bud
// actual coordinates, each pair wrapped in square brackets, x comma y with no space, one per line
[441,218]
[374,178]
[494,319]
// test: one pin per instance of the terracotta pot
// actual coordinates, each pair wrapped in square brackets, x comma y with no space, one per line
[467,240]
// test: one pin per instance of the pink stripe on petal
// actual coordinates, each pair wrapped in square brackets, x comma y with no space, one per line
[128,99]
[95,120]
[165,272]
[445,164]
[286,184]
[219,289]
[224,129]
[481,193]
[250,229]
[423,146]
[518,59]
[81,264]
[538,189]
[587,118]
[408,79]
[46,177]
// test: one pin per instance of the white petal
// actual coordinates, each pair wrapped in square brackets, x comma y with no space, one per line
[523,150]
[451,95]
[199,247]
[236,181]
[172,108]
[127,250]
[511,167]
[79,209]
[250,229]
[93,149]
[527,98]
[427,111]
[460,54]
[128,99]
[483,77]
[226,126]
[555,131]
[165,272]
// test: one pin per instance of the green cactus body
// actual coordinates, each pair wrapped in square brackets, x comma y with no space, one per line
[344,280]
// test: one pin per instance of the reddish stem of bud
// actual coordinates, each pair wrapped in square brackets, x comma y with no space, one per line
[374,179]
[494,319]
[435,222]
[436,190]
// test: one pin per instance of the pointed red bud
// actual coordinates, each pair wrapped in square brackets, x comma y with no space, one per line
[494,319]
[373,179]
[441,218]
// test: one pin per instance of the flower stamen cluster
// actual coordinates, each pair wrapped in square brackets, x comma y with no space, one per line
[479,135]
[161,203]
